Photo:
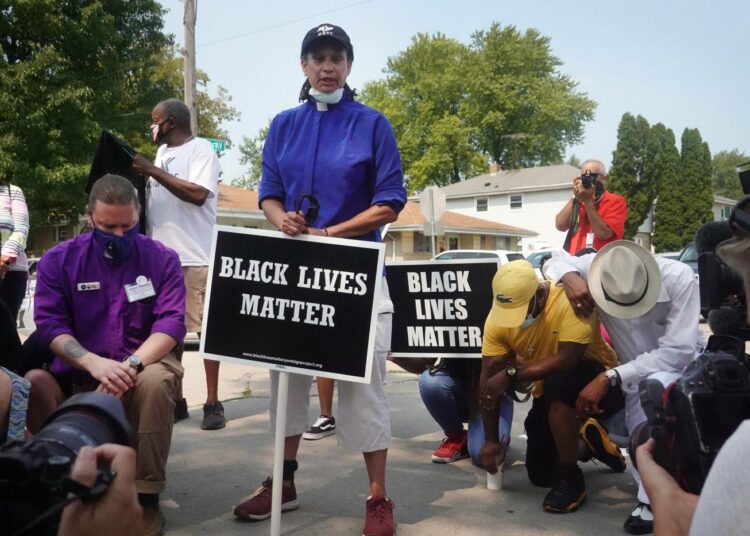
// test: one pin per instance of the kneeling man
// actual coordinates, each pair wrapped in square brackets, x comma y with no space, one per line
[533,335]
[110,305]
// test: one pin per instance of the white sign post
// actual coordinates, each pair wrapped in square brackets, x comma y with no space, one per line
[278,453]
[432,205]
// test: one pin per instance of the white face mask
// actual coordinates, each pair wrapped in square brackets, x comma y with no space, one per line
[529,318]
[328,98]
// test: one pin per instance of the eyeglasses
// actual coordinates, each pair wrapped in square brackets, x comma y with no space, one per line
[308,205]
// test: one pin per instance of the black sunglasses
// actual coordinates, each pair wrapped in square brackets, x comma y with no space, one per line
[308,205]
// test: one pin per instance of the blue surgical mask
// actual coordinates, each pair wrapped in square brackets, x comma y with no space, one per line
[328,98]
[116,247]
[530,319]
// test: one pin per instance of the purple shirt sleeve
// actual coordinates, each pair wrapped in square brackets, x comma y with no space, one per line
[169,309]
[270,182]
[51,312]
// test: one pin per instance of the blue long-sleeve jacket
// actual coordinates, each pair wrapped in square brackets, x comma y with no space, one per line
[346,157]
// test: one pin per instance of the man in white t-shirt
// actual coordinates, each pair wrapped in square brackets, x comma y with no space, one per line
[181,206]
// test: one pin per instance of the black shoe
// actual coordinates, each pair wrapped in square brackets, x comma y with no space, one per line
[641,521]
[180,410]
[596,437]
[213,417]
[568,490]
[323,427]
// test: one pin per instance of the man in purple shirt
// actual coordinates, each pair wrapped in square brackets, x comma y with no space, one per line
[110,305]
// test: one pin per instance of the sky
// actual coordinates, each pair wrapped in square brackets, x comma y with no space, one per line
[684,63]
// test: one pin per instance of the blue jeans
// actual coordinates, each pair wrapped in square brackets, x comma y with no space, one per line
[448,401]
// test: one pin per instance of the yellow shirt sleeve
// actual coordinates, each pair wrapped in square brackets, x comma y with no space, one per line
[494,340]
[576,329]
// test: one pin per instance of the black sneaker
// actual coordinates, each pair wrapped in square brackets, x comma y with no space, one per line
[641,521]
[596,437]
[322,427]
[568,490]
[213,417]
[180,410]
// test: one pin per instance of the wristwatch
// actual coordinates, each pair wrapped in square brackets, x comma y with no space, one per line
[135,362]
[613,376]
[512,372]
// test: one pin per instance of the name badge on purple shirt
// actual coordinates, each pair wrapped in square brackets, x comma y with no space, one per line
[140,290]
[92,285]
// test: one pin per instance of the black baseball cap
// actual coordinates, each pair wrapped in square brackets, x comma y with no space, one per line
[328,31]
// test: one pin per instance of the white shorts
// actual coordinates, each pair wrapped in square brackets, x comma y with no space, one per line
[363,423]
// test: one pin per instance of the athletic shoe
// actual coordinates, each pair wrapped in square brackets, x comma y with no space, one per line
[180,410]
[258,505]
[378,517]
[213,417]
[641,521]
[568,490]
[596,437]
[453,447]
[322,427]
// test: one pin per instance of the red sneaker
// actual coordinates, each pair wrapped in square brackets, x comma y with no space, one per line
[454,447]
[378,517]
[258,506]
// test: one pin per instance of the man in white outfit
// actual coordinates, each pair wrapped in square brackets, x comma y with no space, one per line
[650,307]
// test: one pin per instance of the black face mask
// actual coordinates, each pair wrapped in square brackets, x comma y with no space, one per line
[156,133]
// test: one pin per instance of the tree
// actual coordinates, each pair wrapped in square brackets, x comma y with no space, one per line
[574,161]
[68,69]
[251,150]
[455,107]
[724,173]
[685,200]
[628,176]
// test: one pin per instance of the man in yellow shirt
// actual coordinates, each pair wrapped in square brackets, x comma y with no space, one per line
[533,335]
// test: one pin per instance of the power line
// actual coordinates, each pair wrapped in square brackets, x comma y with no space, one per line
[279,25]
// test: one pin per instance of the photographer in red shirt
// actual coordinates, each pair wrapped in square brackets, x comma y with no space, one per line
[600,215]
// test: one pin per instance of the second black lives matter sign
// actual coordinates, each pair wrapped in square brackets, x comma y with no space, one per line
[306,305]
[440,306]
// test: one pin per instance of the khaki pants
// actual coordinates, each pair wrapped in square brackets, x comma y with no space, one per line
[150,410]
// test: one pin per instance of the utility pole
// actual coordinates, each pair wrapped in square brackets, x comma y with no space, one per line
[188,53]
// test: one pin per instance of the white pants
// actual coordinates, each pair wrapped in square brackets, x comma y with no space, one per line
[634,416]
[363,423]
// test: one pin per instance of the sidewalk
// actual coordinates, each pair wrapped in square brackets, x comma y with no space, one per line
[210,472]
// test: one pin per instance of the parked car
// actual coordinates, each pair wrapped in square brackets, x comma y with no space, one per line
[537,260]
[672,255]
[26,312]
[502,254]
[689,255]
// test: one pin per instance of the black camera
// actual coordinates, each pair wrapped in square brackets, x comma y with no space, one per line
[35,476]
[691,419]
[723,300]
[589,180]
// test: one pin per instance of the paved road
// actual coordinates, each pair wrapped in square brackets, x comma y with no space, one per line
[209,472]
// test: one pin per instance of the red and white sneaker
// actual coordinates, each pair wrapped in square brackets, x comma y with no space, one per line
[378,517]
[454,447]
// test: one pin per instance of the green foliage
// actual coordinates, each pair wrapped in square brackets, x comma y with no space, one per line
[685,200]
[724,173]
[68,70]
[251,150]
[455,107]
[628,176]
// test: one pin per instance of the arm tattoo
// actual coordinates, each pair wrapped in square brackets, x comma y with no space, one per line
[73,349]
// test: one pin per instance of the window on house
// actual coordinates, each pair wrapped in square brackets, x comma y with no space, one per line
[516,201]
[422,243]
[726,212]
[60,233]
[453,243]
[482,204]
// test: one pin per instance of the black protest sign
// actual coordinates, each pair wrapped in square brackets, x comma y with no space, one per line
[440,306]
[304,304]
